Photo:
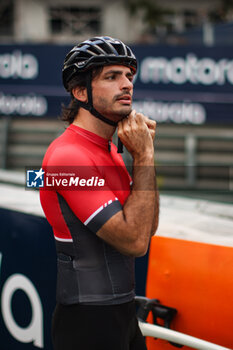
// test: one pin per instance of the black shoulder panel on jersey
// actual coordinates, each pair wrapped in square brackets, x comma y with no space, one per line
[104,215]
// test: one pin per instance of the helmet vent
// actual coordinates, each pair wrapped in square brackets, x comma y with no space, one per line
[95,52]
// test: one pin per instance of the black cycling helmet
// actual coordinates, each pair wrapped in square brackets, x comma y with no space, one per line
[95,52]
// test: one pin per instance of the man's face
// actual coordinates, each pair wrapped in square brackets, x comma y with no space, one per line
[112,92]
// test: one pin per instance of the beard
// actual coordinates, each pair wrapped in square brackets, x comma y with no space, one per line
[107,109]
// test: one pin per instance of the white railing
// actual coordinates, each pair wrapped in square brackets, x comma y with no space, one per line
[150,330]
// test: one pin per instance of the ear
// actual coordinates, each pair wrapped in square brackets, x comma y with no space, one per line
[80,93]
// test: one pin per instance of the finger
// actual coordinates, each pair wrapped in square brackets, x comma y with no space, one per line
[131,116]
[150,121]
[120,128]
[139,118]
[152,133]
[132,113]
[126,127]
[132,120]
[151,125]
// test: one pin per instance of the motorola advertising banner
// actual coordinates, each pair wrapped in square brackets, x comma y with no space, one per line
[174,84]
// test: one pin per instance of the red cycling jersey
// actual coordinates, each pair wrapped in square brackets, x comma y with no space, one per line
[76,214]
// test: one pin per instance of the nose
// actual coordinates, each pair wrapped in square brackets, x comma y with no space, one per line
[126,84]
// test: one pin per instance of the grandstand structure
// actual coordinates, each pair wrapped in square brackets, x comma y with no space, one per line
[189,157]
[61,21]
[193,161]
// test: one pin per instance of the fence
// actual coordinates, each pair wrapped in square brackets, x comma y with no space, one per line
[187,157]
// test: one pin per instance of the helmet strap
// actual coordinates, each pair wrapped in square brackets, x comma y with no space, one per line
[89,106]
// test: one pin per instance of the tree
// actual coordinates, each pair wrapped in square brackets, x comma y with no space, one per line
[152,14]
[221,13]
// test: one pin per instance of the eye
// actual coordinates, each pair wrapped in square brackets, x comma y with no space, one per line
[130,77]
[110,77]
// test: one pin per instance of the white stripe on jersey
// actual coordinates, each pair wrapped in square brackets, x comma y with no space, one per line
[64,239]
[98,210]
[93,215]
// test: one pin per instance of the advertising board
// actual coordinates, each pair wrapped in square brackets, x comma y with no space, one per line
[174,84]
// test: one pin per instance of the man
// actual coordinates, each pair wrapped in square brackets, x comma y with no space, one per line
[99,232]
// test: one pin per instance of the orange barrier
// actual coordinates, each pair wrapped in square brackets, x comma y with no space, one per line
[196,279]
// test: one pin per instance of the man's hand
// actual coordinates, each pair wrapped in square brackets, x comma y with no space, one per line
[130,229]
[137,133]
[151,124]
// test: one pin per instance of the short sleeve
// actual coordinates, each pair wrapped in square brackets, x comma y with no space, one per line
[90,198]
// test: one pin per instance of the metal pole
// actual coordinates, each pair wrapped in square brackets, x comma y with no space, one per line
[190,159]
[208,33]
[4,141]
[151,330]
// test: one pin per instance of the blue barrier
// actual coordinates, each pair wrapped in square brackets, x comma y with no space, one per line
[28,280]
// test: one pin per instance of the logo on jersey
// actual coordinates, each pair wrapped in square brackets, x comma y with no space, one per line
[35,178]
